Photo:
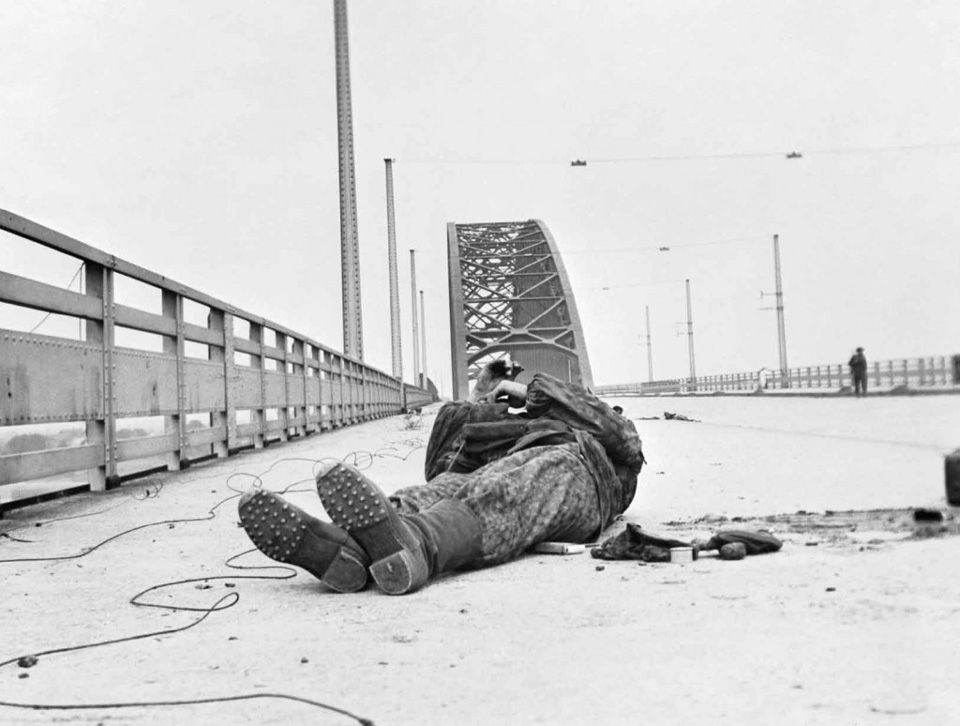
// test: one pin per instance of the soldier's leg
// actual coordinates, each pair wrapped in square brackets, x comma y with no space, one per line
[533,496]
[497,513]
[410,500]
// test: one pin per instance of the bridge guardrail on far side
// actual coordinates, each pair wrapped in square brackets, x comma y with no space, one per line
[926,373]
[211,386]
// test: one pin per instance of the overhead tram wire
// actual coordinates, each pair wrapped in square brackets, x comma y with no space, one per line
[668,247]
[790,154]
[659,248]
[633,284]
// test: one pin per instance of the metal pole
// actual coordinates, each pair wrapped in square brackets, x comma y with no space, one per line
[781,331]
[413,307]
[649,349]
[693,365]
[394,282]
[423,341]
[349,246]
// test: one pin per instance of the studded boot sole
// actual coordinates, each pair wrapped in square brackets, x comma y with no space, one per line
[359,506]
[286,533]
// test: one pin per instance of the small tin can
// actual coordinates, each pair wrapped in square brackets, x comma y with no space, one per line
[681,554]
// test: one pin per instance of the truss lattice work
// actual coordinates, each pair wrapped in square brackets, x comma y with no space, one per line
[510,295]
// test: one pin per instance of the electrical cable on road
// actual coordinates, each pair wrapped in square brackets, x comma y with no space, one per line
[360,459]
[838,437]
[816,434]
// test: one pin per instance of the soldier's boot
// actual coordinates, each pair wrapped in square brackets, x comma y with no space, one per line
[405,550]
[286,533]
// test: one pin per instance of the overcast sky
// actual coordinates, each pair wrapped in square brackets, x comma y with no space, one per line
[199,139]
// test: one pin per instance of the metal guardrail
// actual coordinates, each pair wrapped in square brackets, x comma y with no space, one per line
[928,372]
[281,383]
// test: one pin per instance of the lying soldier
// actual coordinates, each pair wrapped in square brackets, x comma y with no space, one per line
[498,483]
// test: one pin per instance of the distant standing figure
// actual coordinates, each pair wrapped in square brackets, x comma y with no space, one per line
[858,371]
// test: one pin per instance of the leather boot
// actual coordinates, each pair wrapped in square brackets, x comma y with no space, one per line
[286,533]
[406,550]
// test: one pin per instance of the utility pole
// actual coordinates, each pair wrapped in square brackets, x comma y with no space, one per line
[349,245]
[781,331]
[649,349]
[423,341]
[693,366]
[413,307]
[394,282]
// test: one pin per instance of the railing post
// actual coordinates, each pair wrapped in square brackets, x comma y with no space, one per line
[173,345]
[921,370]
[103,429]
[356,407]
[346,390]
[227,418]
[364,395]
[284,415]
[257,361]
[303,348]
[331,404]
[890,372]
[342,418]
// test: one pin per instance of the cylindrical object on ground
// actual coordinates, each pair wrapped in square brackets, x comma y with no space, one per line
[951,470]
[681,554]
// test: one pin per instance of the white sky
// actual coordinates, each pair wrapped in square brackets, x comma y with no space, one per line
[198,139]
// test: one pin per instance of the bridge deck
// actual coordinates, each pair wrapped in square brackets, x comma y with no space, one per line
[546,639]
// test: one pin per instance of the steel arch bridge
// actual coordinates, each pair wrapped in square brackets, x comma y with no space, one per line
[509,294]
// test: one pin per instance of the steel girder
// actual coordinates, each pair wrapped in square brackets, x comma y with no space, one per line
[510,295]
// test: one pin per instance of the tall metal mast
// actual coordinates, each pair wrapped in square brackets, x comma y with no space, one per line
[423,341]
[649,349]
[781,331]
[349,246]
[413,307]
[693,364]
[394,282]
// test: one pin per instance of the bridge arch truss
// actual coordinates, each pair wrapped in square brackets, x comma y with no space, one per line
[510,295]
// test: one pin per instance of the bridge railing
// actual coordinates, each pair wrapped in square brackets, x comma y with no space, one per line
[215,379]
[914,373]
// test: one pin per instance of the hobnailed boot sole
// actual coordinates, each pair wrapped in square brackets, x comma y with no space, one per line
[286,533]
[358,505]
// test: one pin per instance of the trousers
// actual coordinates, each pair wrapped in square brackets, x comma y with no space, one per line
[542,494]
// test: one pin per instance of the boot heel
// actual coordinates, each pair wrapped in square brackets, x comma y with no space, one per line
[401,572]
[346,573]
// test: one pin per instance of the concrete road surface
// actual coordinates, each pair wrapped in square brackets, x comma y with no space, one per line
[855,621]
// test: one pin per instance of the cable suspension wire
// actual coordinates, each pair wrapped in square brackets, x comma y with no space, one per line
[69,285]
